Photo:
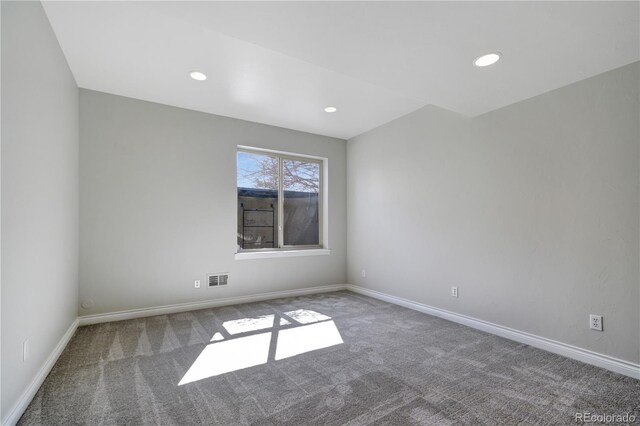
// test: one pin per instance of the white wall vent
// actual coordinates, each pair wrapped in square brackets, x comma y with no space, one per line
[219,279]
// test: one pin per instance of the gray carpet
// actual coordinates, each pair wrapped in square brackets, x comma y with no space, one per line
[394,366]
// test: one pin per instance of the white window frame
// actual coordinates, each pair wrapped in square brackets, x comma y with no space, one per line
[290,250]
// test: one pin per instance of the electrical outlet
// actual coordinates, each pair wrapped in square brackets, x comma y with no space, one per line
[196,283]
[25,350]
[454,291]
[363,273]
[595,322]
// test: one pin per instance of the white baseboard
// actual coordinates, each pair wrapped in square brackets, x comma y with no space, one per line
[23,402]
[192,306]
[599,360]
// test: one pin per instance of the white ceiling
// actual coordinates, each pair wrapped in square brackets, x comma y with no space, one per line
[281,63]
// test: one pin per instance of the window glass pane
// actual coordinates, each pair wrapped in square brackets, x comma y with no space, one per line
[257,183]
[301,202]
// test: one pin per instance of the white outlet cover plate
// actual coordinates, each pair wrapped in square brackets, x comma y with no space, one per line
[595,322]
[25,350]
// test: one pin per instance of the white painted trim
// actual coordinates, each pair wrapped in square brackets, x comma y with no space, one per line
[25,399]
[192,306]
[281,253]
[324,191]
[584,355]
[282,153]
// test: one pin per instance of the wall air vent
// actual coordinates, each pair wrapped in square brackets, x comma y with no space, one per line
[219,279]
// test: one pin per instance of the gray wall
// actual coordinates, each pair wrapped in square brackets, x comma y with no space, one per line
[39,195]
[531,210]
[158,205]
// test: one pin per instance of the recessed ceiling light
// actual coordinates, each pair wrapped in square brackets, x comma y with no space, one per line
[330,109]
[486,60]
[197,75]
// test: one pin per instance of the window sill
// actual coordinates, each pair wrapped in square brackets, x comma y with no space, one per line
[281,253]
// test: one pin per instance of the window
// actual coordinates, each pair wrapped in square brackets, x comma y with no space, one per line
[279,201]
